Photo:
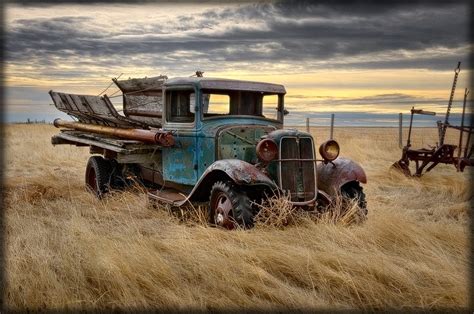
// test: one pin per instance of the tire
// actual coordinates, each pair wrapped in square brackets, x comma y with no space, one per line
[98,175]
[230,207]
[352,191]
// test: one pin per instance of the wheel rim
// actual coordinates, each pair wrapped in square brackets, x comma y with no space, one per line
[92,180]
[223,211]
[402,167]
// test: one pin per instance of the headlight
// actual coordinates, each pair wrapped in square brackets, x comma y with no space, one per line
[329,150]
[267,150]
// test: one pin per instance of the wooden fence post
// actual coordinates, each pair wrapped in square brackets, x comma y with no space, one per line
[400,129]
[307,125]
[331,135]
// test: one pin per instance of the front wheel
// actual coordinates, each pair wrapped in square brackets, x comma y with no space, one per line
[230,206]
[351,192]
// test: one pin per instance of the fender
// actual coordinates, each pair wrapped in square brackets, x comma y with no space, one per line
[332,176]
[241,172]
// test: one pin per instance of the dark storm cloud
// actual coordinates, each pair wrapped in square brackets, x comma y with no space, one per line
[262,32]
[325,34]
[74,35]
[360,7]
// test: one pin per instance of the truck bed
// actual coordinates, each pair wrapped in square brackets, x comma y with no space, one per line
[126,151]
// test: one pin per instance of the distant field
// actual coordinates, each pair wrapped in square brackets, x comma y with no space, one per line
[66,249]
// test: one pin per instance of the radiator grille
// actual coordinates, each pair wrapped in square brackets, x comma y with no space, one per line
[297,164]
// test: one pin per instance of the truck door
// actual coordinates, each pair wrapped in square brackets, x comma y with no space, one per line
[180,161]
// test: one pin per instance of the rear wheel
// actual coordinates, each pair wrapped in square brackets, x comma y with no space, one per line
[98,175]
[230,206]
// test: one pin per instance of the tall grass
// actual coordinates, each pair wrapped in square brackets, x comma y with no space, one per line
[67,250]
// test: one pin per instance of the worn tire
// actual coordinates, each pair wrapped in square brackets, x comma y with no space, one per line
[98,175]
[227,196]
[353,190]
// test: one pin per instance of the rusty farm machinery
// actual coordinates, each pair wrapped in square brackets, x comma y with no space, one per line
[426,159]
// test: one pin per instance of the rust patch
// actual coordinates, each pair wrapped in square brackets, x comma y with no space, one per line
[331,176]
[242,172]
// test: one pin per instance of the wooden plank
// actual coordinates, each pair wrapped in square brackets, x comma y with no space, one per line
[112,140]
[76,139]
[129,146]
[108,140]
[92,109]
[138,158]
[140,84]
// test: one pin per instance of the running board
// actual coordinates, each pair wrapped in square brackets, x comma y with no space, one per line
[168,195]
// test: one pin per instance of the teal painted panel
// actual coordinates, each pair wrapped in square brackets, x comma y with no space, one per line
[240,142]
[180,161]
[205,152]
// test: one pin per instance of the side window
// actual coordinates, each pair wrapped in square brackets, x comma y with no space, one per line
[180,106]
[270,106]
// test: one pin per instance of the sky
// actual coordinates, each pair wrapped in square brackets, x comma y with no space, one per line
[360,59]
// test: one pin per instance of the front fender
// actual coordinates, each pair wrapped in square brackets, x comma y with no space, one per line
[332,176]
[240,172]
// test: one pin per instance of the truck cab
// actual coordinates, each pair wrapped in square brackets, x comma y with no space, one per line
[214,119]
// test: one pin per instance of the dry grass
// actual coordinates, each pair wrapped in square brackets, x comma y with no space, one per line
[66,249]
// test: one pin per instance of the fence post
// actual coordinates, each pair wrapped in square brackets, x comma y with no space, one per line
[332,127]
[307,125]
[400,127]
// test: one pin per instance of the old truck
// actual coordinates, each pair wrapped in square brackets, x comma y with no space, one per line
[199,139]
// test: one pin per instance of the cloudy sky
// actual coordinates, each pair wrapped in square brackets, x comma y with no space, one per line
[359,56]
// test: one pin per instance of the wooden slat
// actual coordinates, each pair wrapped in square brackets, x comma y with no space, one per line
[140,84]
[126,146]
[135,158]
[76,139]
[92,109]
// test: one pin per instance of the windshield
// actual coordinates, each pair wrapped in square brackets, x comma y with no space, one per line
[219,103]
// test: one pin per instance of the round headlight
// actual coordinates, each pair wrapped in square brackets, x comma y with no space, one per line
[267,150]
[329,150]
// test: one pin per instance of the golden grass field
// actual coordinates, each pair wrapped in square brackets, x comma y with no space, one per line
[67,250]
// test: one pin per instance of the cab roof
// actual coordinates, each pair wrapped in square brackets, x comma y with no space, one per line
[227,84]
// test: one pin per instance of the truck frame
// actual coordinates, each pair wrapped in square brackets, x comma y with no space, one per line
[197,139]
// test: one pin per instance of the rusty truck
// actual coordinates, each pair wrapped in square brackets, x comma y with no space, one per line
[202,139]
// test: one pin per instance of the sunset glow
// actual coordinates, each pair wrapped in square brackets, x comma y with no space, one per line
[380,59]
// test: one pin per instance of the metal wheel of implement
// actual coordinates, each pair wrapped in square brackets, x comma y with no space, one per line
[98,173]
[402,166]
[230,207]
[353,191]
